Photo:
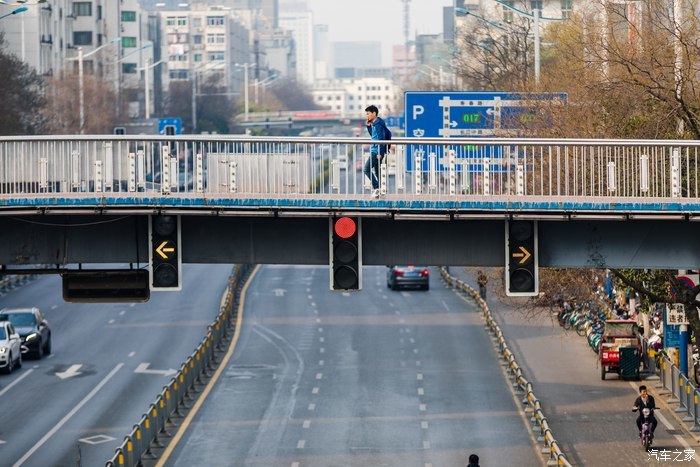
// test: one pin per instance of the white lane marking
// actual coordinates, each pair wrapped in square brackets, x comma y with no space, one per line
[307,424]
[320,329]
[144,370]
[54,307]
[132,305]
[421,392]
[445,305]
[111,321]
[35,366]
[310,297]
[68,416]
[308,290]
[402,321]
[318,320]
[415,351]
[122,313]
[322,339]
[72,370]
[321,362]
[426,444]
[417,362]
[412,340]
[9,386]
[424,425]
[314,391]
[428,465]
[668,425]
[301,444]
[408,330]
[313,304]
[397,312]
[131,354]
[97,439]
[346,294]
[422,407]
[295,464]
[405,294]
[279,292]
[319,375]
[385,297]
[51,356]
[322,350]
[419,376]
[312,406]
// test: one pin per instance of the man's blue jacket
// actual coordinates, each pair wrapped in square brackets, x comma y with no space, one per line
[378,131]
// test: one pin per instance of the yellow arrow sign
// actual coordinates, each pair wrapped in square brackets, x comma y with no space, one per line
[161,250]
[524,255]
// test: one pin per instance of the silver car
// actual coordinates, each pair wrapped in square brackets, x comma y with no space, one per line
[10,353]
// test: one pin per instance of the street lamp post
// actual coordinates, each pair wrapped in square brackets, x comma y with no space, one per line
[15,12]
[81,96]
[536,15]
[194,91]
[245,67]
[147,91]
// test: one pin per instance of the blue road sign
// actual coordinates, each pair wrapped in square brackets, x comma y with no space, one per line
[164,123]
[672,333]
[396,121]
[469,114]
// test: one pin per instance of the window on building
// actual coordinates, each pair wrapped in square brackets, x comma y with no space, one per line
[197,57]
[82,8]
[182,20]
[128,68]
[351,107]
[215,20]
[128,16]
[507,12]
[337,98]
[197,22]
[197,39]
[216,57]
[128,42]
[82,37]
[536,5]
[566,7]
[170,21]
[178,74]
[99,12]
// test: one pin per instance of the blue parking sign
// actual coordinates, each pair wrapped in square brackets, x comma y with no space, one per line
[171,126]
[435,114]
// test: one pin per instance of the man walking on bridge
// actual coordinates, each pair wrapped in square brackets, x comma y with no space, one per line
[378,131]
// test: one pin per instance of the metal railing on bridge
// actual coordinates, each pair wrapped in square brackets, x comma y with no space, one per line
[655,173]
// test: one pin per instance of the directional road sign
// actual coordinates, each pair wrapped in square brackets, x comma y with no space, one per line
[435,114]
[169,126]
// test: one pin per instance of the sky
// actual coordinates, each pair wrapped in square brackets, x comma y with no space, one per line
[377,20]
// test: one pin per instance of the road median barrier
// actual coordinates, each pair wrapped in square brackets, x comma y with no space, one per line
[173,400]
[523,388]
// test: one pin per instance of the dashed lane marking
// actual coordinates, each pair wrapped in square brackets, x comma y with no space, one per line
[301,444]
[131,354]
[322,339]
[319,375]
[12,384]
[111,321]
[122,313]
[426,444]
[54,307]
[314,391]
[321,362]
[421,392]
[312,407]
[422,407]
[424,425]
[322,350]
[320,329]
[307,424]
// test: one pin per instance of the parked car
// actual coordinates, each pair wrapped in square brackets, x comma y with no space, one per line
[408,276]
[33,329]
[10,352]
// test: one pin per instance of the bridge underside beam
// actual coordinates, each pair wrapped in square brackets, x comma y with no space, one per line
[72,239]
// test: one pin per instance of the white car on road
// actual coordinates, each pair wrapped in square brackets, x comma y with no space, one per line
[10,353]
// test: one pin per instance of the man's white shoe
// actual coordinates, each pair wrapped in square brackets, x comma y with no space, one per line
[375,194]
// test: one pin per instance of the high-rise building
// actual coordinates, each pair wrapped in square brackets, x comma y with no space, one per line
[322,52]
[403,63]
[301,25]
[42,36]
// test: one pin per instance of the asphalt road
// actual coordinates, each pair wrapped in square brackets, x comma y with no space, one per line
[49,421]
[370,378]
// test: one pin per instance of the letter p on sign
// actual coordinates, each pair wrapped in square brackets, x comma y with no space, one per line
[418,110]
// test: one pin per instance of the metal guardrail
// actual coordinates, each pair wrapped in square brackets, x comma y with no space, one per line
[453,169]
[153,425]
[520,384]
[13,281]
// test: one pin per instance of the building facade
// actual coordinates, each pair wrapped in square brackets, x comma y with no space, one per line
[300,24]
[349,97]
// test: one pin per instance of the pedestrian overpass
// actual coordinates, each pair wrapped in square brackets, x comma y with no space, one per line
[68,200]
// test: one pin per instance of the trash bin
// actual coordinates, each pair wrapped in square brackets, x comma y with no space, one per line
[629,363]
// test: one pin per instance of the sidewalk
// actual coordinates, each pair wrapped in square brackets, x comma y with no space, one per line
[590,418]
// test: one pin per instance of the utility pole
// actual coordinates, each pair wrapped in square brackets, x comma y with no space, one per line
[406,32]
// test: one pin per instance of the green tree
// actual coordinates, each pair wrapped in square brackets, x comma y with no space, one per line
[21,95]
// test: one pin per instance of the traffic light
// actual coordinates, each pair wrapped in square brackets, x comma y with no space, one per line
[345,253]
[164,253]
[522,278]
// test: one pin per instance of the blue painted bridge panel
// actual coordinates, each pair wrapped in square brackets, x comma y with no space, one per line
[373,205]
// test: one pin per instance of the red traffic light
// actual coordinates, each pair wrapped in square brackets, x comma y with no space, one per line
[345,227]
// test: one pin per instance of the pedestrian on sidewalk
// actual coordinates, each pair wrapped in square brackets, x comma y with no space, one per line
[473,460]
[482,280]
[379,132]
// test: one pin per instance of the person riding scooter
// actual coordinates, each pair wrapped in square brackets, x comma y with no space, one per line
[645,401]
